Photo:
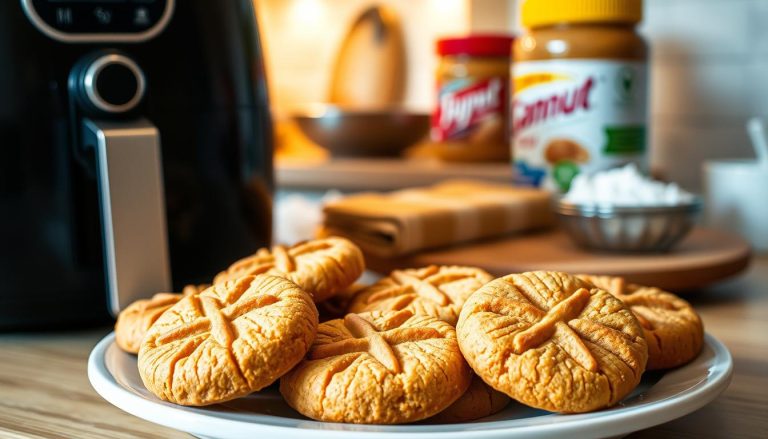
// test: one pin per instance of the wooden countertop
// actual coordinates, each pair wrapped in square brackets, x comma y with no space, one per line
[44,390]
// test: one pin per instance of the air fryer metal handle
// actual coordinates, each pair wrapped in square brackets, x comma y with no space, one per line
[132,208]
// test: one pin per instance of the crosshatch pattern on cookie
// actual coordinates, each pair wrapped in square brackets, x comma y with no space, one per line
[548,329]
[421,287]
[228,341]
[538,319]
[673,329]
[322,267]
[216,319]
[366,338]
[553,324]
[134,321]
[281,258]
[379,367]
[433,290]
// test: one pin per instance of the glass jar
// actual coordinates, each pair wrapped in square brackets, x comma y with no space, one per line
[470,119]
[580,90]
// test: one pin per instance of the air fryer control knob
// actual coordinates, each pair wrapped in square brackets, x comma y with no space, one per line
[112,83]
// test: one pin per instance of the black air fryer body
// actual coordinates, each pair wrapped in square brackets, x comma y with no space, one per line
[69,65]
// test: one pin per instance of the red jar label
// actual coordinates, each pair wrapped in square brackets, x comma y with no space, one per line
[465,105]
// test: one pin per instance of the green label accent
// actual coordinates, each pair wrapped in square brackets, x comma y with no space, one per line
[563,173]
[625,140]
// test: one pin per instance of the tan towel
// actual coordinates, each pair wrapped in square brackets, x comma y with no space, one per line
[454,211]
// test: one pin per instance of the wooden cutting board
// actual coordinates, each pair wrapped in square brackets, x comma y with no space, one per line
[705,256]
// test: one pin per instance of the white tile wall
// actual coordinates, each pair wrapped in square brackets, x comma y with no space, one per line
[709,74]
[706,29]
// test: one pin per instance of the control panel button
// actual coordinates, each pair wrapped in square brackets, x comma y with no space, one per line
[141,17]
[64,17]
[117,84]
[103,15]
[113,83]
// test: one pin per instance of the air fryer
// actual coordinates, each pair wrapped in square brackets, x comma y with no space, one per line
[135,152]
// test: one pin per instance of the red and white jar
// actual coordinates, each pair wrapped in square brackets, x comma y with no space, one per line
[470,120]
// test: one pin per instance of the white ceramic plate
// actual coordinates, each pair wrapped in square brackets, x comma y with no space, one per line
[659,398]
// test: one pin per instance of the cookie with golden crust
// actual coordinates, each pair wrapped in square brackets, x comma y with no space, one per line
[134,321]
[480,400]
[673,330]
[232,339]
[378,368]
[322,267]
[552,341]
[438,291]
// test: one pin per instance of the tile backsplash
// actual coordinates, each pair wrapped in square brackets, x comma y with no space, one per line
[709,75]
[709,64]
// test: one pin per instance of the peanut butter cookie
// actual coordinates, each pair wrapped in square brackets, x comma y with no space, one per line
[321,267]
[378,368]
[134,321]
[480,400]
[434,291]
[552,341]
[228,341]
[673,330]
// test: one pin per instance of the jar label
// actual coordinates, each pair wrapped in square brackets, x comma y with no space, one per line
[466,105]
[571,116]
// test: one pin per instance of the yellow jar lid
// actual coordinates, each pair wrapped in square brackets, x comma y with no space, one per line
[547,12]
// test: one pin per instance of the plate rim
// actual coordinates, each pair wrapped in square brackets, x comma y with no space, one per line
[610,424]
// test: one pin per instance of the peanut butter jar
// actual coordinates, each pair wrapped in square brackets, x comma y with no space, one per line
[580,90]
[471,118]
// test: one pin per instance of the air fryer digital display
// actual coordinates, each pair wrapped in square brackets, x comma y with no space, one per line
[99,20]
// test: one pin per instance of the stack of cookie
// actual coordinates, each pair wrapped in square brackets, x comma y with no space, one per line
[444,344]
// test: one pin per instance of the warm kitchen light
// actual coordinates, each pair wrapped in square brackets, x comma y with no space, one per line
[302,37]
[305,13]
[452,11]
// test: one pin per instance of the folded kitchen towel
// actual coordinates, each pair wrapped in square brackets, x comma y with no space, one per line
[451,212]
